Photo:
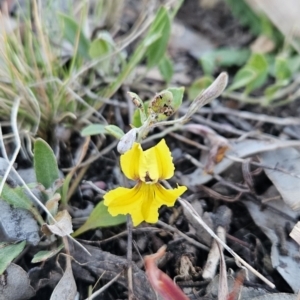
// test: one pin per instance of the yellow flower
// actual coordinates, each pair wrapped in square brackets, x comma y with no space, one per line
[148,195]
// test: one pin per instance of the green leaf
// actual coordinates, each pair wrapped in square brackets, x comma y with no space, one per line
[16,197]
[259,63]
[224,57]
[101,46]
[100,217]
[162,105]
[134,60]
[44,255]
[139,104]
[253,75]
[8,253]
[166,68]
[271,90]
[177,96]
[73,33]
[115,131]
[282,69]
[137,118]
[93,129]
[198,86]
[242,78]
[45,164]
[162,26]
[245,15]
[294,63]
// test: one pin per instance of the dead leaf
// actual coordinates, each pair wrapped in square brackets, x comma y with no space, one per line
[272,222]
[277,296]
[63,227]
[218,145]
[17,285]
[66,288]
[238,149]
[262,44]
[295,233]
[288,160]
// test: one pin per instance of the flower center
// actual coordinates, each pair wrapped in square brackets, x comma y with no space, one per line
[148,178]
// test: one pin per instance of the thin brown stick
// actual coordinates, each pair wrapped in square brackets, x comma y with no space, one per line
[187,238]
[129,259]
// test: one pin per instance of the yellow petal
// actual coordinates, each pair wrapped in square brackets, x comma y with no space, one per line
[157,196]
[156,163]
[130,161]
[123,201]
[168,197]
[141,202]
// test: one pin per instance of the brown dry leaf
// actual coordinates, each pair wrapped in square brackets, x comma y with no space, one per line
[218,145]
[52,204]
[63,226]
[262,44]
[295,233]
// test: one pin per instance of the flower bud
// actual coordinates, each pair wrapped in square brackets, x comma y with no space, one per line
[209,94]
[127,141]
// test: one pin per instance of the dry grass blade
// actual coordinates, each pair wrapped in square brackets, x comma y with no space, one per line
[104,287]
[223,283]
[14,125]
[223,219]
[187,206]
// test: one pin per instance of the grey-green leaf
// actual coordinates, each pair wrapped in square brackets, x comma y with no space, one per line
[8,253]
[99,217]
[177,96]
[44,255]
[115,131]
[73,34]
[45,164]
[166,68]
[93,129]
[16,197]
[162,26]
